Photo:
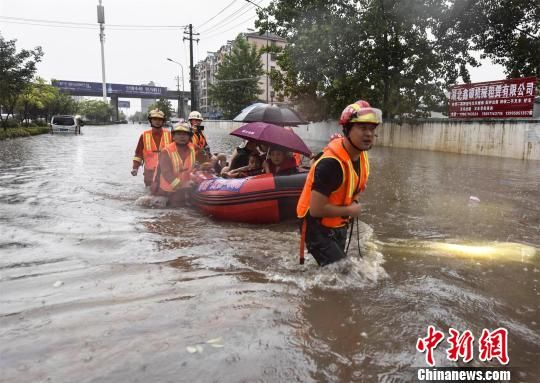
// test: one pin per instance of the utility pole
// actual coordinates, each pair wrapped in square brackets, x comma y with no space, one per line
[191,69]
[101,21]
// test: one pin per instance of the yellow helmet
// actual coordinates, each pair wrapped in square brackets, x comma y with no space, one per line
[360,111]
[156,113]
[182,127]
[195,116]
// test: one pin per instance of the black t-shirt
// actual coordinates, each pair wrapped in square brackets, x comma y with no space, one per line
[329,176]
[241,159]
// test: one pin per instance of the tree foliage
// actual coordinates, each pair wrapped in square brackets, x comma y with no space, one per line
[237,78]
[162,104]
[506,31]
[95,110]
[399,55]
[16,72]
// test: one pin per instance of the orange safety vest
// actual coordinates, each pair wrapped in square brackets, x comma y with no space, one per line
[351,185]
[181,169]
[150,151]
[198,140]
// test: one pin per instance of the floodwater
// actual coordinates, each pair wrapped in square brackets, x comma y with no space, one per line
[96,288]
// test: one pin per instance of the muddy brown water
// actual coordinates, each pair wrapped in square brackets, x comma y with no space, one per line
[95,288]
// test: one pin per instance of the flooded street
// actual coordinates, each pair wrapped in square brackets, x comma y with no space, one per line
[96,288]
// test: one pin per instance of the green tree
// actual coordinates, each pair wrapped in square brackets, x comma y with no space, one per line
[237,78]
[506,31]
[61,104]
[16,72]
[95,110]
[162,104]
[33,102]
[379,50]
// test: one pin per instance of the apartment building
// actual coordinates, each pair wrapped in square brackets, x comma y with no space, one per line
[206,69]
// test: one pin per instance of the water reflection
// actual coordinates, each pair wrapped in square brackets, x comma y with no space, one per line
[149,283]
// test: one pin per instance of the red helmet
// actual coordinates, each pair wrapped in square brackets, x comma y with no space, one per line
[360,111]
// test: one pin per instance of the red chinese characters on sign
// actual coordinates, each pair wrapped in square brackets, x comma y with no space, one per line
[461,345]
[492,344]
[512,98]
[429,343]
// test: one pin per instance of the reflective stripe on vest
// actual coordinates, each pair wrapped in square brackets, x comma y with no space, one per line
[181,169]
[150,151]
[199,140]
[350,185]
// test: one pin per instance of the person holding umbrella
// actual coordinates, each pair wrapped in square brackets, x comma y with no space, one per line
[330,195]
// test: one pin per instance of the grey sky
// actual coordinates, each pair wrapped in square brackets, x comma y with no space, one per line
[133,55]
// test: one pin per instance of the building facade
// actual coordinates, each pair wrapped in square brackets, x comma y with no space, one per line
[268,60]
[205,71]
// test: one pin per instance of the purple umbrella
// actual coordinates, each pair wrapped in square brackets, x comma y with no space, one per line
[272,135]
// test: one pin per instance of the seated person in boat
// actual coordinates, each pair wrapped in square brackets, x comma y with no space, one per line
[219,161]
[297,156]
[280,163]
[253,168]
[176,161]
[241,154]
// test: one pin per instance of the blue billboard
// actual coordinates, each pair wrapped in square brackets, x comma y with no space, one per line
[82,87]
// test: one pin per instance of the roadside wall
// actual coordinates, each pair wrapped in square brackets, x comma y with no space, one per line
[499,138]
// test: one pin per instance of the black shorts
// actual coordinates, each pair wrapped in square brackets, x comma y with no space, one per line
[325,244]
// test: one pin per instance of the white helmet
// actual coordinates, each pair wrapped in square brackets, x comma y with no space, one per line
[195,116]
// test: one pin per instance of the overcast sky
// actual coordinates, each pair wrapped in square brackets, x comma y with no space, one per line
[134,54]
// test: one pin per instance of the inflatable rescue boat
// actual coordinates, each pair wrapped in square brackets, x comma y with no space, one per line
[259,199]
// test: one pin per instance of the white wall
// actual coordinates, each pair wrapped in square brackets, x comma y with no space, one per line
[499,138]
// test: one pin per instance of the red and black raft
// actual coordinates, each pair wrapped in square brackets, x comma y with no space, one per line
[260,199]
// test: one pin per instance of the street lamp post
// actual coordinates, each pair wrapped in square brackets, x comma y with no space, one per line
[181,99]
[267,53]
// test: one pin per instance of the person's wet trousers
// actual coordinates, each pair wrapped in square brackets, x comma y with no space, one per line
[325,244]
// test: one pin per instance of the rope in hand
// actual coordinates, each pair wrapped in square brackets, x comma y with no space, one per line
[357,237]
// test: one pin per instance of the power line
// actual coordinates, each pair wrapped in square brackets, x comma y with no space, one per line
[246,8]
[226,18]
[87,28]
[239,79]
[226,30]
[79,24]
[44,21]
[47,25]
[217,14]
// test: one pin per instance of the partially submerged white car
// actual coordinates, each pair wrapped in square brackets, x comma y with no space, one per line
[66,124]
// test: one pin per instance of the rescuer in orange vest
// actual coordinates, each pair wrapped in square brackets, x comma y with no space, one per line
[199,139]
[151,142]
[330,195]
[176,161]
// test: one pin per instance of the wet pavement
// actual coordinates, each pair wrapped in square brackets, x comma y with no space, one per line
[97,288]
